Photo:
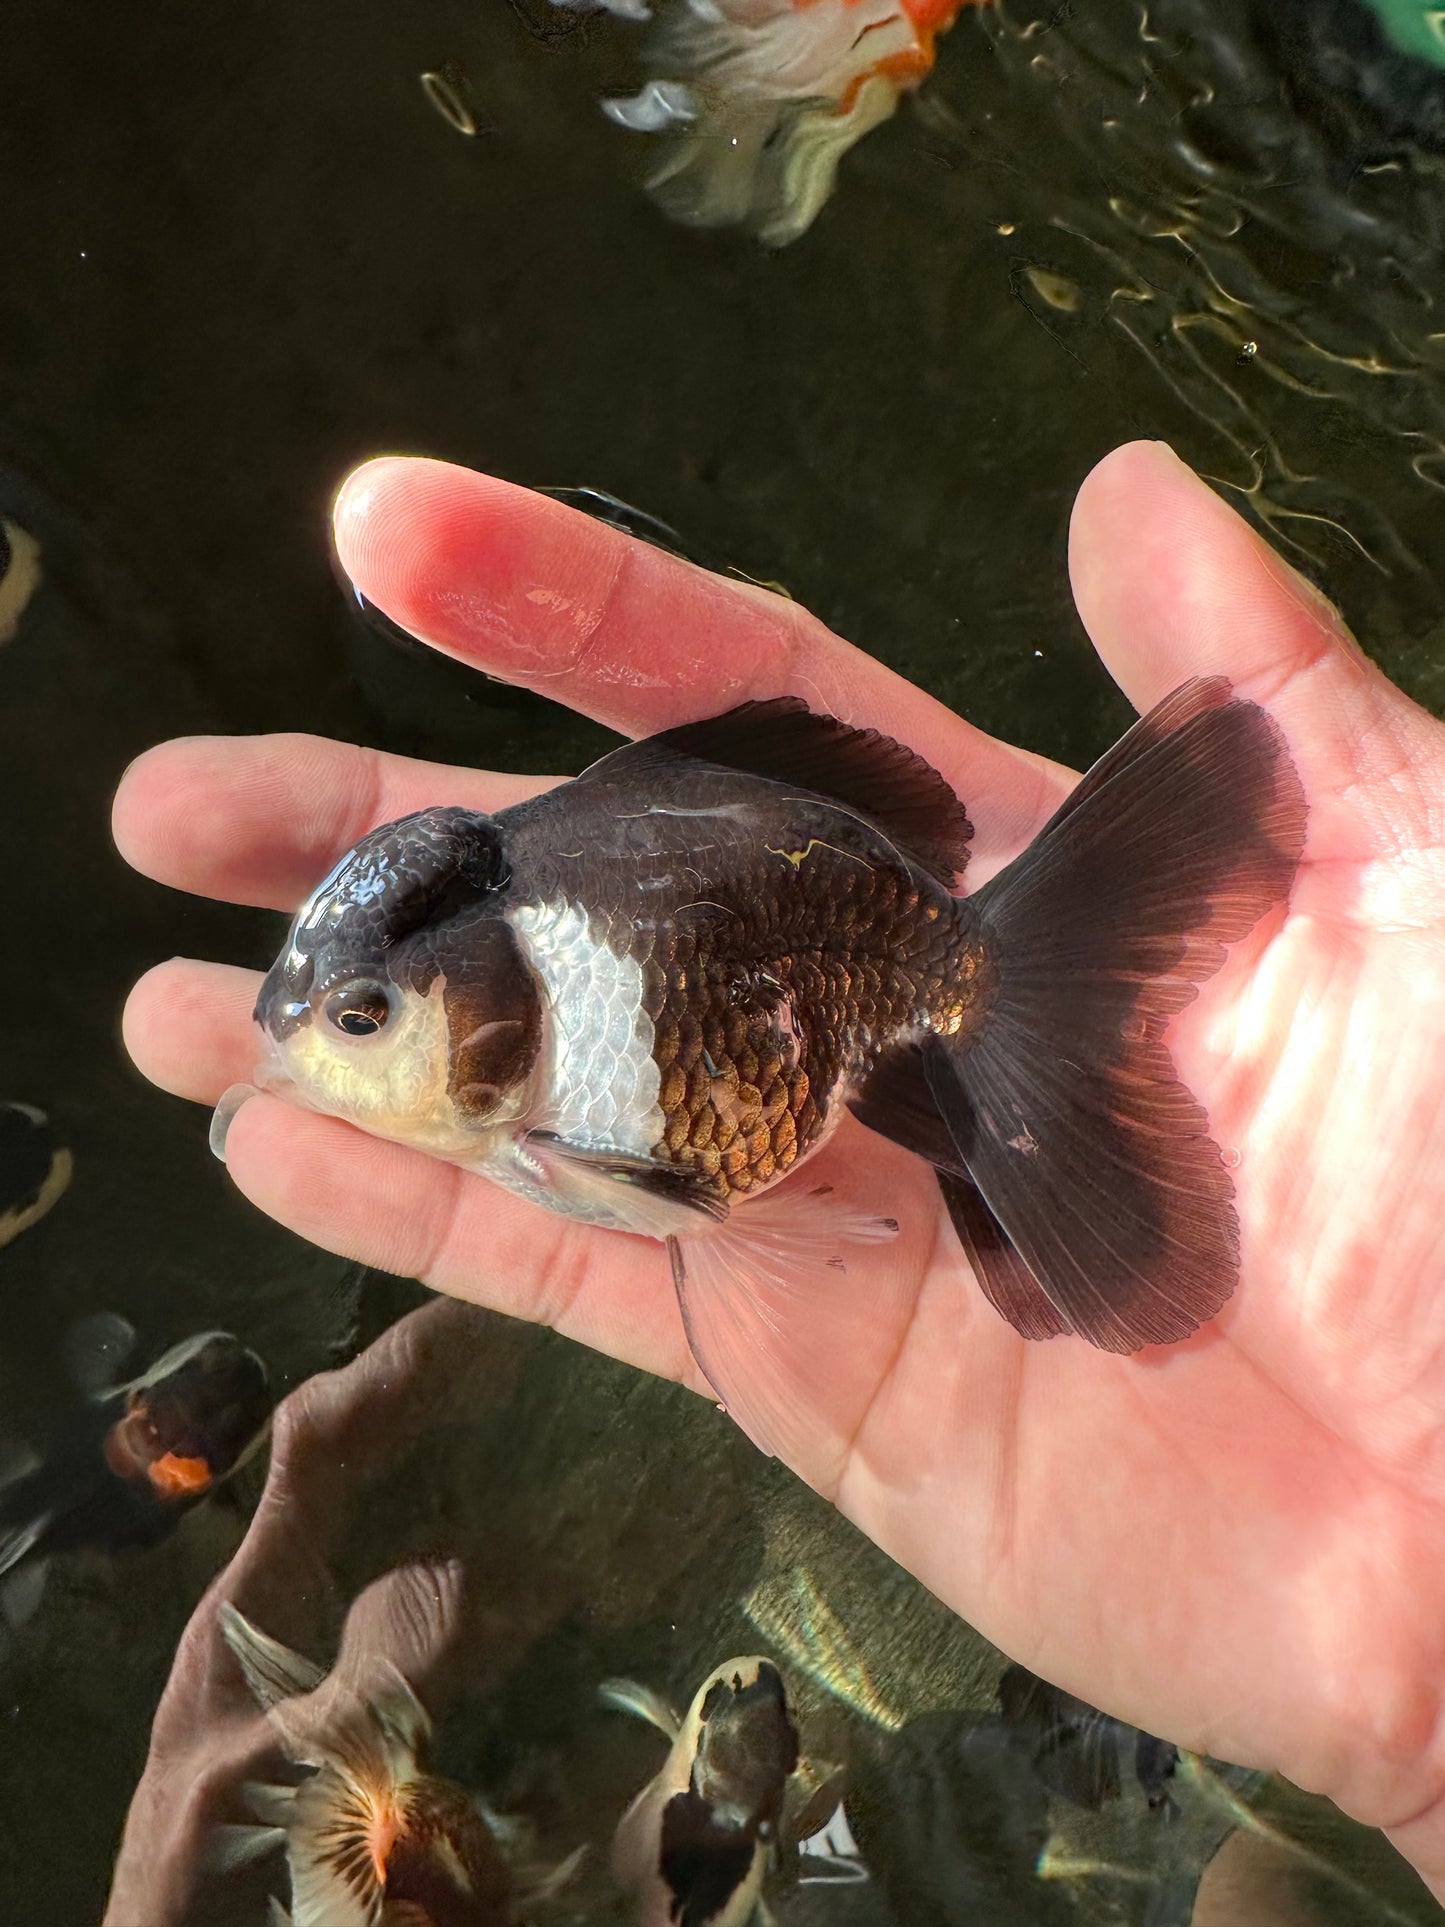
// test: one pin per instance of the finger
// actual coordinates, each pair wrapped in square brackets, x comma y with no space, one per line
[261,819]
[1171,583]
[537,593]
[384,1205]
[188,1027]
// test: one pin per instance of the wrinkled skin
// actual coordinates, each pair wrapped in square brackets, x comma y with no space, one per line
[1239,1543]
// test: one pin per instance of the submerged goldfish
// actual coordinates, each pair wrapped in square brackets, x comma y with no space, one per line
[373,1838]
[129,1462]
[766,96]
[694,1844]
[649,995]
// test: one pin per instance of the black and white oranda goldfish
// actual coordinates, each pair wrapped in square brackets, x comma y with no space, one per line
[694,1845]
[647,997]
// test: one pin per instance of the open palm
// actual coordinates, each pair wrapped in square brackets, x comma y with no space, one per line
[1238,1542]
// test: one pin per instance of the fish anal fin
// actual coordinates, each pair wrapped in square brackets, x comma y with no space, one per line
[895,1100]
[1003,1277]
[861,769]
[783,1307]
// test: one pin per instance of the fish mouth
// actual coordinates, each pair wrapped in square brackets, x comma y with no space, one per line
[267,1077]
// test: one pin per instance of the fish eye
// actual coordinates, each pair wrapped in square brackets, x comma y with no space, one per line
[359,1008]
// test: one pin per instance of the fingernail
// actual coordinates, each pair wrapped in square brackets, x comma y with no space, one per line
[224,1116]
[355,496]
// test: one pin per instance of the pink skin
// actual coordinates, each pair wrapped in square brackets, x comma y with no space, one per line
[1238,1543]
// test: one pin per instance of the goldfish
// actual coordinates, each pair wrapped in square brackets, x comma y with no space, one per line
[372,1837]
[35,1168]
[694,1844]
[763,99]
[1076,1748]
[646,998]
[133,1458]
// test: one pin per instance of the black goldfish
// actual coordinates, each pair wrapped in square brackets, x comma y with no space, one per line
[131,1460]
[648,995]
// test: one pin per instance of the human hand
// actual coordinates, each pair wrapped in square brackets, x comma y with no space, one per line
[1237,1543]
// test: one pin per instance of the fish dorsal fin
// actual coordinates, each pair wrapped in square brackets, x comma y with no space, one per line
[786,742]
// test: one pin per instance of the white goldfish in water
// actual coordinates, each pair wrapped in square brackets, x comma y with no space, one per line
[373,1838]
[695,1845]
[765,97]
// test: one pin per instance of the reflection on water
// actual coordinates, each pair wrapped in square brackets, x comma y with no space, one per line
[245,263]
[1288,297]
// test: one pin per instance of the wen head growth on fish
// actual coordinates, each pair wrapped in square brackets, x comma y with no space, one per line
[647,997]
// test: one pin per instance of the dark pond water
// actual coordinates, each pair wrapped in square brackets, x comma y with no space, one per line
[243,250]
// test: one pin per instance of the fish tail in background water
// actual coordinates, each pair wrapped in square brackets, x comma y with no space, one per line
[35,1167]
[645,997]
[762,99]
[20,574]
[1076,1748]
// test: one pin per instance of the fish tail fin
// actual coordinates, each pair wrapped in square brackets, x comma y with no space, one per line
[1084,1184]
[762,98]
[22,1587]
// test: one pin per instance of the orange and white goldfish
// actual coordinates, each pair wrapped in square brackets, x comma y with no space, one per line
[372,1837]
[765,97]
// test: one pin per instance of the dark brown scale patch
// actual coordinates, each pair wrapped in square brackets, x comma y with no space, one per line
[784,940]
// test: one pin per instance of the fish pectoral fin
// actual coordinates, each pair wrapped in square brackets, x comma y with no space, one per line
[601,1165]
[21,1591]
[783,1334]
[230,1847]
[95,1351]
[629,1696]
[785,742]
[539,1885]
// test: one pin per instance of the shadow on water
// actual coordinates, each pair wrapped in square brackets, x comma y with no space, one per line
[241,254]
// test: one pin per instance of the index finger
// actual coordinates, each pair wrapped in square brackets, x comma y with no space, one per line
[533,592]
